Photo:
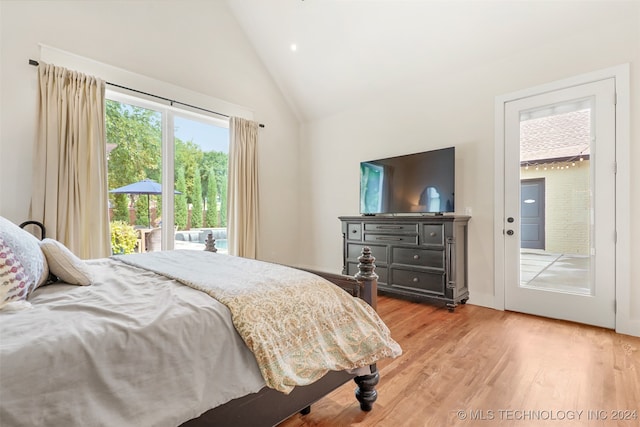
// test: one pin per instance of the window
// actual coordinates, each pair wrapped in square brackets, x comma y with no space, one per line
[143,155]
[201,165]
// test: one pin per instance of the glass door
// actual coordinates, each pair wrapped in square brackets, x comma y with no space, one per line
[134,161]
[150,144]
[201,164]
[559,204]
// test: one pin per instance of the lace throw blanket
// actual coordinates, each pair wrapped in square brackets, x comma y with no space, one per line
[298,325]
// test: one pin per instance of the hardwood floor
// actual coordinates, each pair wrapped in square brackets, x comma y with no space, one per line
[483,367]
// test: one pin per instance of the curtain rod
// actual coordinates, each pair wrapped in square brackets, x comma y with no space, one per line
[171,101]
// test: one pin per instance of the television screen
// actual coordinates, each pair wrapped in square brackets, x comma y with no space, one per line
[413,183]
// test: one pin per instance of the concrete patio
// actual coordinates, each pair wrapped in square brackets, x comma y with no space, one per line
[562,272]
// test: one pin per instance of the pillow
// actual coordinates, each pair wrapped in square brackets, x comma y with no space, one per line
[14,282]
[26,249]
[64,264]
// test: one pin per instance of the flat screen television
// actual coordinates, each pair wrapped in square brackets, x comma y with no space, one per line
[413,183]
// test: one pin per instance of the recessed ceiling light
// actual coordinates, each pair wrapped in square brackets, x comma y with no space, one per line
[293,47]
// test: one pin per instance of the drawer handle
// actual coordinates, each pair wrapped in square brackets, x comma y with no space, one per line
[396,239]
[415,280]
[432,234]
[354,231]
[416,257]
[388,227]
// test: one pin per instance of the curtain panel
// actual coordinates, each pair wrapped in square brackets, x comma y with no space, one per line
[70,167]
[242,197]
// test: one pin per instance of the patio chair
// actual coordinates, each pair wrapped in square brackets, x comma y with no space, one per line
[154,240]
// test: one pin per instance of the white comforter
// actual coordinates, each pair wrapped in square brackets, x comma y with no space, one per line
[297,325]
[133,349]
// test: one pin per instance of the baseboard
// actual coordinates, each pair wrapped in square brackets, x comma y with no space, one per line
[628,326]
[483,300]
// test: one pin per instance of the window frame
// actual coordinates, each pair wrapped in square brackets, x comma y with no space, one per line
[167,114]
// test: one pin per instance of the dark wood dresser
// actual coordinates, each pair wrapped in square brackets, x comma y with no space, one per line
[420,257]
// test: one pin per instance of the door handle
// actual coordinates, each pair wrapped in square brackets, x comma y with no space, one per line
[510,232]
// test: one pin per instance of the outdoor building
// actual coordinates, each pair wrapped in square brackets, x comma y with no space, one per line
[554,160]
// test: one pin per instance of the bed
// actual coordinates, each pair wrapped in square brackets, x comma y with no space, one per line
[169,339]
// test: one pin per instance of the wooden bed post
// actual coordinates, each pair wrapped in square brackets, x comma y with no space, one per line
[366,391]
[367,278]
[368,282]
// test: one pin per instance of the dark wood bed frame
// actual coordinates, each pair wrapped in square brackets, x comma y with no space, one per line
[269,407]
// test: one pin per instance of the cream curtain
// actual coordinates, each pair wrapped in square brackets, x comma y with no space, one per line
[242,197]
[70,170]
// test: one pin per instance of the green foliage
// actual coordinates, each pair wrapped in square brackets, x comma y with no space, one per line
[158,209]
[134,137]
[121,207]
[134,141]
[123,238]
[180,200]
[196,200]
[223,202]
[142,210]
[211,216]
[188,156]
[214,163]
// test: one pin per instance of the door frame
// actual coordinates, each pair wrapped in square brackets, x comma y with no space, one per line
[621,75]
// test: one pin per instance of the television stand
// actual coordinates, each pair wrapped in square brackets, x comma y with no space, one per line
[417,257]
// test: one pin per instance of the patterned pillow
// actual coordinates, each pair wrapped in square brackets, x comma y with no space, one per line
[14,282]
[64,264]
[26,249]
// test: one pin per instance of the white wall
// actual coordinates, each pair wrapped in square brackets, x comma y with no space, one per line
[193,44]
[456,109]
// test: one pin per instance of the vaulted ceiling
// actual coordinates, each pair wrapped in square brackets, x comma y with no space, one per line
[350,52]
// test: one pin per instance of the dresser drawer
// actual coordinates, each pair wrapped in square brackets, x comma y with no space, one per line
[417,256]
[379,252]
[433,258]
[352,269]
[392,239]
[433,234]
[354,231]
[418,280]
[391,228]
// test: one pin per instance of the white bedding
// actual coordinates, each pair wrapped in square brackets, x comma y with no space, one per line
[128,343]
[298,326]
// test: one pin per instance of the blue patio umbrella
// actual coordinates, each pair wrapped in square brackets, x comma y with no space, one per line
[146,186]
